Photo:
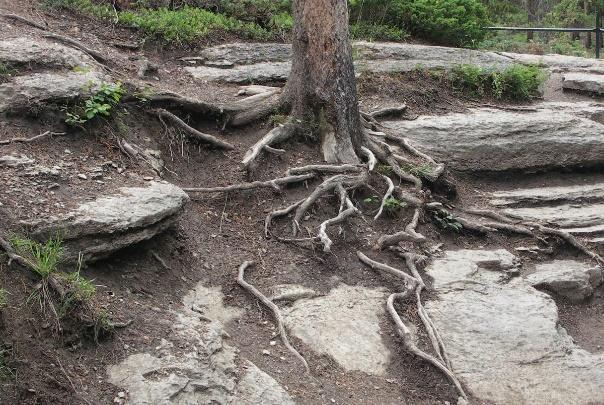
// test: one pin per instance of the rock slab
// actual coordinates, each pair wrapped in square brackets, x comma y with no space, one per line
[100,227]
[585,82]
[555,135]
[503,337]
[344,325]
[568,278]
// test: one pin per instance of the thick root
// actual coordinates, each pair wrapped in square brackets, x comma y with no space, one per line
[274,308]
[274,184]
[342,216]
[409,234]
[276,135]
[387,195]
[200,136]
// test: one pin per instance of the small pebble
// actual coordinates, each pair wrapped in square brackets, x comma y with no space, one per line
[121,394]
[272,343]
[82,176]
[266,352]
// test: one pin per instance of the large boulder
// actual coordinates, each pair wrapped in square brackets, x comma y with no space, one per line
[503,336]
[568,278]
[100,227]
[555,135]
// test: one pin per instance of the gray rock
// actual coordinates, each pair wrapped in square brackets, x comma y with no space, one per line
[503,338]
[539,195]
[25,92]
[568,278]
[556,135]
[107,224]
[247,53]
[41,52]
[562,62]
[579,219]
[256,387]
[14,161]
[259,72]
[201,369]
[586,82]
[345,325]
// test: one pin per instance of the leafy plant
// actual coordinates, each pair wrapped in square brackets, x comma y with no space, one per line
[469,78]
[84,6]
[100,103]
[418,171]
[391,205]
[384,169]
[446,220]
[79,289]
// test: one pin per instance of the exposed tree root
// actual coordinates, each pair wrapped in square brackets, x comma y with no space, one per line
[279,213]
[177,101]
[99,57]
[385,197]
[329,169]
[274,308]
[409,234]
[200,136]
[415,284]
[384,112]
[24,21]
[274,184]
[32,139]
[276,135]
[342,216]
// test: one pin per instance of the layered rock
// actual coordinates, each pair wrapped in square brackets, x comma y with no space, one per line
[67,74]
[202,368]
[555,135]
[568,278]
[100,227]
[503,337]
[578,209]
[586,82]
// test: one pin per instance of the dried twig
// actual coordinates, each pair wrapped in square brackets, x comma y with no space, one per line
[274,184]
[32,139]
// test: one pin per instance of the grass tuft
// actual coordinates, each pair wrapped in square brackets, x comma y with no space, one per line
[43,257]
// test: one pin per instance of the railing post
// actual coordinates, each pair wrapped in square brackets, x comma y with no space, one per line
[598,34]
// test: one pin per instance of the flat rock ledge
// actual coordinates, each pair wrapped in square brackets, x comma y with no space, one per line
[503,337]
[571,279]
[199,368]
[578,209]
[344,324]
[585,82]
[100,227]
[66,74]
[553,135]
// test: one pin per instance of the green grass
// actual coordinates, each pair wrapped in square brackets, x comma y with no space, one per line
[515,83]
[79,290]
[43,257]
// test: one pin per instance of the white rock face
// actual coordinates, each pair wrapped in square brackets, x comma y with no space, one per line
[258,72]
[41,52]
[537,195]
[202,370]
[568,278]
[556,135]
[586,82]
[107,224]
[24,92]
[345,325]
[503,337]
[61,84]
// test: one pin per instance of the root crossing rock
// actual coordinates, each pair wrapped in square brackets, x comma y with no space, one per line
[503,338]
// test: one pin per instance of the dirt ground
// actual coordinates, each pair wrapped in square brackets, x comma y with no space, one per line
[215,235]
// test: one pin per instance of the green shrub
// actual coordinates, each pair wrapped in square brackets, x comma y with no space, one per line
[449,22]
[517,82]
[377,32]
[83,6]
[187,24]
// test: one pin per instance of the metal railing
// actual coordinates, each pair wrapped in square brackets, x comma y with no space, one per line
[597,31]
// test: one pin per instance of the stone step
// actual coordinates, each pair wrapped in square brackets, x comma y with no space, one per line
[555,135]
[543,195]
[585,82]
[568,278]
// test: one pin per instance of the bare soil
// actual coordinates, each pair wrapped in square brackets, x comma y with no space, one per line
[216,234]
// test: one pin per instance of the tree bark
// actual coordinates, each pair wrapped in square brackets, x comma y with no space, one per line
[321,85]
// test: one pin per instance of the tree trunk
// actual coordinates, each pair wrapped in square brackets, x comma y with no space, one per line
[321,86]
